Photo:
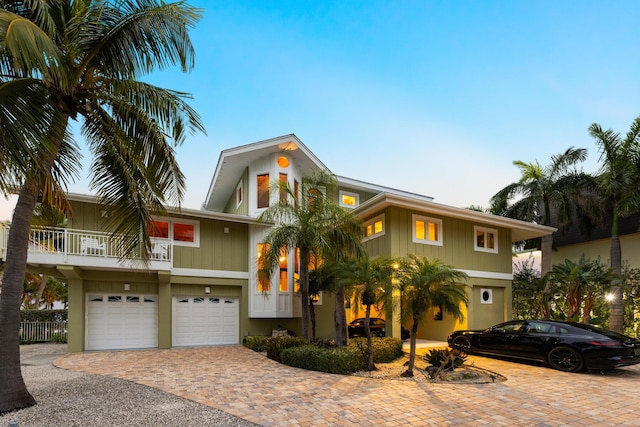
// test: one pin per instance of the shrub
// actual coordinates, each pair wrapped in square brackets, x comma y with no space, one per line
[275,345]
[385,350]
[446,359]
[256,343]
[343,360]
[43,315]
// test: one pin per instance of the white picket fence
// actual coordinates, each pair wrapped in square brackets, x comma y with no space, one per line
[43,331]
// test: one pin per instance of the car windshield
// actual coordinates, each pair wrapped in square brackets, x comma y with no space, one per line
[601,330]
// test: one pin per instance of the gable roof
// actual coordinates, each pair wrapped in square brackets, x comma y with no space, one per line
[520,230]
[233,161]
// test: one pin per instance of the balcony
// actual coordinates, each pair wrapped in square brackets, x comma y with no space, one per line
[86,248]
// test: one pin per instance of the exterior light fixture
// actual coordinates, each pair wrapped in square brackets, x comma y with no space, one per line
[283,162]
[207,290]
[127,287]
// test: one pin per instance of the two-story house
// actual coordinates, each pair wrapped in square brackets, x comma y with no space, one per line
[201,286]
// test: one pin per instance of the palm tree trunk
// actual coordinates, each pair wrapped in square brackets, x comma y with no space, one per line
[312,316]
[43,283]
[304,289]
[588,306]
[340,317]
[13,391]
[412,349]
[367,332]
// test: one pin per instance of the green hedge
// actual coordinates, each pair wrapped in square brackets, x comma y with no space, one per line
[345,360]
[275,345]
[256,343]
[43,315]
[385,350]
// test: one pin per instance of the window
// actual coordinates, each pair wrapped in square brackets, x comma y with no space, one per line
[485,239]
[181,232]
[374,228]
[283,187]
[296,190]
[427,230]
[264,282]
[349,200]
[263,191]
[239,194]
[284,269]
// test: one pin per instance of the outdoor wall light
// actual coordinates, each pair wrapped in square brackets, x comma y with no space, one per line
[207,290]
[127,287]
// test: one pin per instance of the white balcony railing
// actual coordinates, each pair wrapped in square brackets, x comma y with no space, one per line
[84,243]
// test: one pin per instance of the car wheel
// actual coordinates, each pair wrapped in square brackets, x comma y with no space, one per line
[462,343]
[565,359]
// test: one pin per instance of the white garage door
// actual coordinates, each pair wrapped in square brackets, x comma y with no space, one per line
[116,322]
[205,321]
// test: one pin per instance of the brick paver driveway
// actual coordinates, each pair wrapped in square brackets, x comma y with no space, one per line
[248,385]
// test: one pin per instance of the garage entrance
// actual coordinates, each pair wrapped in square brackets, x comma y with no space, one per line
[205,321]
[117,322]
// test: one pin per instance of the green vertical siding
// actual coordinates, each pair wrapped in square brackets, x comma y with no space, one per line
[218,250]
[231,205]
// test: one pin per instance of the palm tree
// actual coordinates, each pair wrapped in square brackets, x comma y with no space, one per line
[619,189]
[316,226]
[370,279]
[540,191]
[427,283]
[62,60]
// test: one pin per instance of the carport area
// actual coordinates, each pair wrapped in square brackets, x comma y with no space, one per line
[248,385]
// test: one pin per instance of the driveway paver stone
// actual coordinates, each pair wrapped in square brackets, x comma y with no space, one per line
[248,385]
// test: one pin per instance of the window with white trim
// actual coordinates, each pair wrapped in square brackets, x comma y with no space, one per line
[348,199]
[427,230]
[239,194]
[263,190]
[374,228]
[181,232]
[485,239]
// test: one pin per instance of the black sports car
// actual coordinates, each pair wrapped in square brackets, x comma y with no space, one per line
[565,346]
[376,326]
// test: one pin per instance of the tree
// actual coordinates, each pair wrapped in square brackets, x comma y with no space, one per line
[427,283]
[371,279]
[619,190]
[316,226]
[527,288]
[556,187]
[81,60]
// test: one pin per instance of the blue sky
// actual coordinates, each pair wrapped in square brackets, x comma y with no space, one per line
[433,97]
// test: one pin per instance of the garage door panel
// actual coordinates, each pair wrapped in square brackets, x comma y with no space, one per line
[116,322]
[205,321]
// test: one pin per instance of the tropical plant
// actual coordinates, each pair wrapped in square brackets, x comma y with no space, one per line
[619,192]
[527,290]
[447,359]
[317,227]
[556,188]
[68,60]
[371,280]
[427,283]
[579,284]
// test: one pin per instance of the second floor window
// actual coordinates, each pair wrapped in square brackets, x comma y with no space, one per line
[263,191]
[427,230]
[374,227]
[485,239]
